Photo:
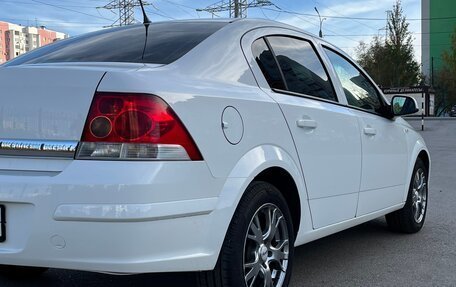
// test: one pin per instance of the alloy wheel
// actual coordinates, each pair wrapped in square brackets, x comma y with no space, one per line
[419,195]
[266,248]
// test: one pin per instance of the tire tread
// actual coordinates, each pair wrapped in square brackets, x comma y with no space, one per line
[219,276]
[402,219]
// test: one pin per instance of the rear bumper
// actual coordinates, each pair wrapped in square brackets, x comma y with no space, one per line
[119,217]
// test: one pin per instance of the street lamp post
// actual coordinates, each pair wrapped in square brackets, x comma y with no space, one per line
[321,23]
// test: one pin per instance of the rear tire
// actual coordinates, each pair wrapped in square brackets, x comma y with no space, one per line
[410,218]
[259,243]
[21,272]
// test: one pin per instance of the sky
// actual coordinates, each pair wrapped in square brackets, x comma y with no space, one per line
[76,17]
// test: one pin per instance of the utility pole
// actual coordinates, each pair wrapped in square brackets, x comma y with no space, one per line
[237,8]
[388,17]
[321,23]
[126,10]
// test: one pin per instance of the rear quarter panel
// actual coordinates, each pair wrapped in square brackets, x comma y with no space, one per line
[199,103]
[199,87]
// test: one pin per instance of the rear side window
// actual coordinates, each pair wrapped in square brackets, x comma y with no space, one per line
[267,63]
[302,69]
[165,43]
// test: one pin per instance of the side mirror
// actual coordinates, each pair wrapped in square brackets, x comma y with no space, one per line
[403,105]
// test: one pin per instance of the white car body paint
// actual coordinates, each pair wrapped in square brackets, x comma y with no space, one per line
[139,217]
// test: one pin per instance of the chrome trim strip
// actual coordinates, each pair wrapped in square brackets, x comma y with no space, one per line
[38,148]
[29,173]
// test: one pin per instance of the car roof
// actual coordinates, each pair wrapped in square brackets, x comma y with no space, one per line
[246,23]
[253,23]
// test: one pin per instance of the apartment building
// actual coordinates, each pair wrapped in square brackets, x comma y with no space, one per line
[437,25]
[16,40]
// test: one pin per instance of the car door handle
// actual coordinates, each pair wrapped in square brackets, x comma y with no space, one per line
[306,123]
[370,131]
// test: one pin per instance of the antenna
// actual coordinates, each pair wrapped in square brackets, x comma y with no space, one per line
[146,20]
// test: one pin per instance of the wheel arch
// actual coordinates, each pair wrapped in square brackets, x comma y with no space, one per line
[284,182]
[274,165]
[424,156]
[419,150]
[266,163]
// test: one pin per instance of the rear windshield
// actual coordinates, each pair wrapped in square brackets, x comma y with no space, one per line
[166,42]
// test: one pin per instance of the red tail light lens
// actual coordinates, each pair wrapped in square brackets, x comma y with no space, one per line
[135,127]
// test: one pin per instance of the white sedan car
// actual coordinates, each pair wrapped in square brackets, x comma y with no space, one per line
[214,146]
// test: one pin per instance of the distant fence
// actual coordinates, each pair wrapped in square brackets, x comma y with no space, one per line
[430,118]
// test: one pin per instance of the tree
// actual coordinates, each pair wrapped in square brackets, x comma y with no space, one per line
[446,78]
[371,58]
[391,62]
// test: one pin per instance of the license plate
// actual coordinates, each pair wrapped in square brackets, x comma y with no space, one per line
[3,223]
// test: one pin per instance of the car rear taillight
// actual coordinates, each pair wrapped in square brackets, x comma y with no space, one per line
[126,126]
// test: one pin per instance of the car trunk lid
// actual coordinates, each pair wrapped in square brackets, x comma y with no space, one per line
[45,103]
[43,109]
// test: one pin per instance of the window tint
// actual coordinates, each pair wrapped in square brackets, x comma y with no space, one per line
[301,67]
[359,91]
[267,63]
[166,42]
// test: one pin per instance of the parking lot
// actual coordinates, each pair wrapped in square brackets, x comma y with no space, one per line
[367,255]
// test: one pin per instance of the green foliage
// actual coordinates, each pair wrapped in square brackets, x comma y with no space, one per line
[391,61]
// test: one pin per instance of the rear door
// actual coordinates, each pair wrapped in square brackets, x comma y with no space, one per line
[326,134]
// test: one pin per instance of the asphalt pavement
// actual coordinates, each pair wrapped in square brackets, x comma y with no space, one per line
[366,255]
